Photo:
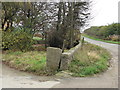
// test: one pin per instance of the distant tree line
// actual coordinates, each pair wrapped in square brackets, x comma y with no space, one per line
[58,22]
[108,32]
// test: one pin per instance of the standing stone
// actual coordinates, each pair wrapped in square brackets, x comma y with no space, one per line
[53,58]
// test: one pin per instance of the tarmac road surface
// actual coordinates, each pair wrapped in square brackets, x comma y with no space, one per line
[16,79]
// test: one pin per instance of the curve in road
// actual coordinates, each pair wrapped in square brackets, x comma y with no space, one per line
[15,79]
[108,79]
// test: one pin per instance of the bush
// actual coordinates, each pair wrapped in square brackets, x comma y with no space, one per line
[18,39]
[113,38]
[105,32]
[54,39]
[59,39]
[39,47]
[37,38]
[38,35]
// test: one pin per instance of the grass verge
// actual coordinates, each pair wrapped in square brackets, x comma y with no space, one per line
[108,41]
[89,60]
[37,38]
[32,61]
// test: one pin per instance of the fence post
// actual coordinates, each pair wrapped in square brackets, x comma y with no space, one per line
[53,58]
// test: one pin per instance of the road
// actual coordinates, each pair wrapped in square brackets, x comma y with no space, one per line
[16,79]
[12,78]
[108,79]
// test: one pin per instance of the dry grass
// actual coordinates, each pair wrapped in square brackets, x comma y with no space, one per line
[93,54]
[89,60]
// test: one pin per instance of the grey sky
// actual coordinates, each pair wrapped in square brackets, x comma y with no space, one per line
[104,12]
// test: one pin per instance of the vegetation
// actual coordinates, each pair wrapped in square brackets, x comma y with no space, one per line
[39,47]
[89,60]
[108,41]
[26,22]
[37,38]
[59,28]
[32,61]
[67,32]
[109,32]
[17,39]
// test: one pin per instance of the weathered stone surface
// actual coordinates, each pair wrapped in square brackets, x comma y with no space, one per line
[67,57]
[54,55]
[53,58]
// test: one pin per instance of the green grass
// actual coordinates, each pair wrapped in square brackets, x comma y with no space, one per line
[37,38]
[108,41]
[32,61]
[89,60]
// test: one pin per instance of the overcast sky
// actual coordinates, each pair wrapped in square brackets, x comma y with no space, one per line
[104,12]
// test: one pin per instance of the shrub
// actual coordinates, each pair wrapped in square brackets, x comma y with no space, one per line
[18,39]
[37,38]
[7,40]
[60,39]
[113,37]
[39,47]
[105,32]
[54,39]
[38,35]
